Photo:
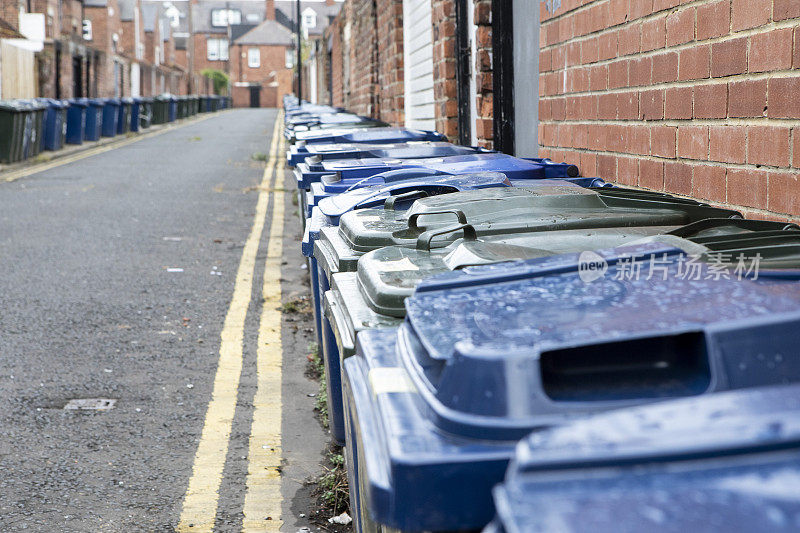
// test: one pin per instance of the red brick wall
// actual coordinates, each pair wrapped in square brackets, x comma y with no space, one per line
[445,91]
[364,72]
[273,59]
[694,97]
[337,63]
[483,68]
[390,62]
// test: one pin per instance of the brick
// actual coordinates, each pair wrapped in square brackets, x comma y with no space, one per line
[580,136]
[615,138]
[545,109]
[617,12]
[796,58]
[678,177]
[589,51]
[694,63]
[713,20]
[618,74]
[711,101]
[651,105]
[651,174]
[628,105]
[729,58]
[693,142]
[588,164]
[654,34]
[678,103]
[640,8]
[747,188]
[680,26]
[768,145]
[628,171]
[796,147]
[638,140]
[607,106]
[727,144]
[663,141]
[771,50]
[750,13]
[747,98]
[709,183]
[783,100]
[630,39]
[607,46]
[559,108]
[660,5]
[785,9]
[545,60]
[641,71]
[784,193]
[598,78]
[607,166]
[665,67]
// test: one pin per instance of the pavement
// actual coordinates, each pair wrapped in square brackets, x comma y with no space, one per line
[153,274]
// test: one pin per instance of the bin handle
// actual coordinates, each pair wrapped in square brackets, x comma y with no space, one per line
[424,240]
[413,219]
[411,195]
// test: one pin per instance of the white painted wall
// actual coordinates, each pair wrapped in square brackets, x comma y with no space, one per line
[418,56]
[526,77]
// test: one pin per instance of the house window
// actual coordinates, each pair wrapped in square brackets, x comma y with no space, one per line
[223,17]
[290,58]
[309,18]
[217,49]
[253,57]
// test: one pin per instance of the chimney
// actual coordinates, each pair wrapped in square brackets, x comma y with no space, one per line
[270,13]
[329,2]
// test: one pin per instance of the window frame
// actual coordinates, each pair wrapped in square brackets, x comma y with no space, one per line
[226,14]
[217,42]
[253,52]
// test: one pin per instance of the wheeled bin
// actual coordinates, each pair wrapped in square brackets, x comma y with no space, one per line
[125,115]
[76,120]
[110,117]
[94,119]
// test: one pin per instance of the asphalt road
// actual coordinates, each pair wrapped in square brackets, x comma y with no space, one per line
[116,276]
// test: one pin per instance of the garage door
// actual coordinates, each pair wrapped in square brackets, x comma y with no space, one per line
[418,51]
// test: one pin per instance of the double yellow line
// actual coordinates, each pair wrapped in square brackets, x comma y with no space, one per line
[262,506]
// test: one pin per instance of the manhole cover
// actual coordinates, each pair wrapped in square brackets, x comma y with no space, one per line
[91,404]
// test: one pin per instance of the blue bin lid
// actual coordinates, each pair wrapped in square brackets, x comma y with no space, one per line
[127,100]
[526,345]
[512,167]
[78,102]
[407,150]
[112,101]
[368,135]
[376,195]
[96,102]
[724,462]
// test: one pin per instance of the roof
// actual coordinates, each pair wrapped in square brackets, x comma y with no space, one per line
[7,31]
[268,32]
[237,30]
[150,11]
[325,13]
[126,9]
[252,13]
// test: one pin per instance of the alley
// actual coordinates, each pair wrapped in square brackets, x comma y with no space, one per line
[138,275]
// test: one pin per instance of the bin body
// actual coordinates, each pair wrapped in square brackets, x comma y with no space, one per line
[124,115]
[55,124]
[136,108]
[161,106]
[146,112]
[76,120]
[12,130]
[110,117]
[94,119]
[172,109]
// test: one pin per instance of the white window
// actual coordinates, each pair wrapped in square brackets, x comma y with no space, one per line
[290,57]
[309,18]
[217,49]
[253,57]
[223,17]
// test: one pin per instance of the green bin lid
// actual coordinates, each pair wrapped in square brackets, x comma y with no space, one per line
[438,220]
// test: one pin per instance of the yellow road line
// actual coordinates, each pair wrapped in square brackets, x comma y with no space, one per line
[202,494]
[41,167]
[262,503]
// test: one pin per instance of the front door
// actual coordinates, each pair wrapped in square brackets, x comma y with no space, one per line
[255,96]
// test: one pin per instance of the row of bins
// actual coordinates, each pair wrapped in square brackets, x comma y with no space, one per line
[510,346]
[27,127]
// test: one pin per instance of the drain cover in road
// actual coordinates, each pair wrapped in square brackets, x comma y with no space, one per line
[91,404]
